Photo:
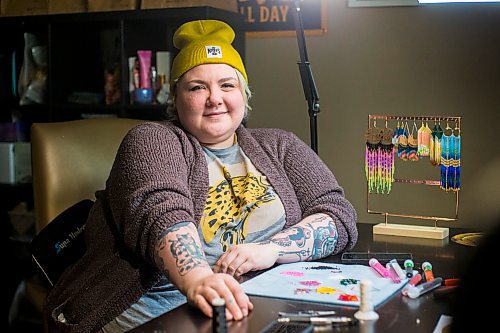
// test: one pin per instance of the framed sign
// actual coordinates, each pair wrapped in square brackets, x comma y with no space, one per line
[270,18]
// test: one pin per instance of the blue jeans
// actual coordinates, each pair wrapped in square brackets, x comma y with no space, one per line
[154,303]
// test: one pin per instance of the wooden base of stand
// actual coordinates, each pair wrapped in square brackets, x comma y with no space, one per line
[410,231]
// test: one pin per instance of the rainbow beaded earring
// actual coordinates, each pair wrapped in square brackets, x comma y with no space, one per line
[372,136]
[379,160]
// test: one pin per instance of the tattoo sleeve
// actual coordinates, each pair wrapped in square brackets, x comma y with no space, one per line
[186,252]
[313,238]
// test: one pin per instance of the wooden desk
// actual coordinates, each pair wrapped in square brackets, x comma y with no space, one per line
[399,314]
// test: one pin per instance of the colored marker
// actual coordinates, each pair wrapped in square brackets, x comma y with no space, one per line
[392,273]
[409,267]
[412,283]
[416,291]
[427,267]
[451,282]
[398,269]
[376,265]
[415,280]
[219,315]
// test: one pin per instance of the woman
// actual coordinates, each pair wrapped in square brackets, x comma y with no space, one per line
[192,204]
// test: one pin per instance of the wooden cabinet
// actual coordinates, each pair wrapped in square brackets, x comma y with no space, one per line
[80,46]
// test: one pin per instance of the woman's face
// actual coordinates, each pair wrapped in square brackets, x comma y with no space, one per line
[210,104]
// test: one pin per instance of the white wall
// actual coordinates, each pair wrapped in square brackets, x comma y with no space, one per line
[414,61]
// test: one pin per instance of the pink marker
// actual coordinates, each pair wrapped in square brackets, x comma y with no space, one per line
[376,265]
[392,273]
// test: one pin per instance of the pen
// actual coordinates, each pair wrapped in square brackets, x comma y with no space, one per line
[306,313]
[317,320]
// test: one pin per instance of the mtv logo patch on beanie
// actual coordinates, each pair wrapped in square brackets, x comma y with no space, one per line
[204,42]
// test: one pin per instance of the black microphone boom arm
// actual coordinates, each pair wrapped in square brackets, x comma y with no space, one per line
[308,84]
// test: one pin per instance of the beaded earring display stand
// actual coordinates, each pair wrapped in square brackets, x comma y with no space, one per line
[406,145]
[379,160]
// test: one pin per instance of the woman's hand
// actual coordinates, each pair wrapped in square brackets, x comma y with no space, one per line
[201,291]
[243,258]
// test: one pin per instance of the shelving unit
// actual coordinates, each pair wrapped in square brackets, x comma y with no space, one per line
[75,56]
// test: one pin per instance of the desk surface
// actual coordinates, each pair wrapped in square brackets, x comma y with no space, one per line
[399,314]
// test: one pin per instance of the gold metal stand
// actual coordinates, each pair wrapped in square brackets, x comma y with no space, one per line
[392,229]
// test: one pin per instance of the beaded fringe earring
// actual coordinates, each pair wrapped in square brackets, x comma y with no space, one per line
[403,142]
[395,138]
[411,154]
[424,140]
[435,147]
[379,160]
[450,160]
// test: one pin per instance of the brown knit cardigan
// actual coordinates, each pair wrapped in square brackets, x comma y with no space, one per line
[160,178]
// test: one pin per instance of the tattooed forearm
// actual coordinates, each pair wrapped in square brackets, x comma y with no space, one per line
[312,238]
[187,253]
[184,249]
[325,239]
[160,247]
[285,241]
[293,236]
[302,254]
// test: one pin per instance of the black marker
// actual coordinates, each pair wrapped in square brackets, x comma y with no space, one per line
[219,315]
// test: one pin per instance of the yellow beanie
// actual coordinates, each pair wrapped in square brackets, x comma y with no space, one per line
[204,42]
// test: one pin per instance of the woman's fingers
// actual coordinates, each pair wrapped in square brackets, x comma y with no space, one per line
[225,260]
[231,262]
[242,302]
[223,286]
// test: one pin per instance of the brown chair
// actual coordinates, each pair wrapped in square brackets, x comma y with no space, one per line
[71,160]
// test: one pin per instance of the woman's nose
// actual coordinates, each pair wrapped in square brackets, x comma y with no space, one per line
[214,98]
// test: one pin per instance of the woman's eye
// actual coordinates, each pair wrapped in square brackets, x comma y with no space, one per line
[196,88]
[228,85]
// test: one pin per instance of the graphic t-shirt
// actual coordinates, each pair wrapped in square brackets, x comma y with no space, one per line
[242,206]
